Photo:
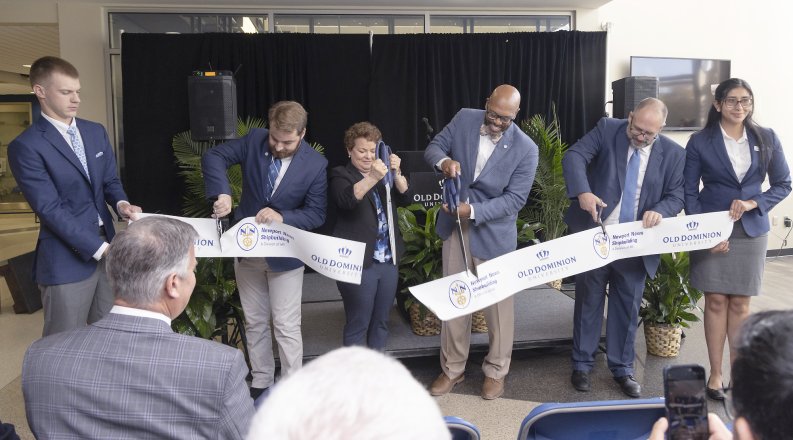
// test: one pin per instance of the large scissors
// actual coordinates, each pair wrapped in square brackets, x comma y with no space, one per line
[221,225]
[384,154]
[600,219]
[451,197]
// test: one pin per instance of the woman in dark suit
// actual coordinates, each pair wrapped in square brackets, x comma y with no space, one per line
[358,191]
[732,156]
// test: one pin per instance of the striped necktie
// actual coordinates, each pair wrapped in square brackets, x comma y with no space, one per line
[272,176]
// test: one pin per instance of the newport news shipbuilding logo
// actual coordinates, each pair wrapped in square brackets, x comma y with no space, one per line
[601,245]
[247,236]
[459,294]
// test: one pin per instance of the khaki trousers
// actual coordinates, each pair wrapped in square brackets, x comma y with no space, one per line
[271,299]
[456,333]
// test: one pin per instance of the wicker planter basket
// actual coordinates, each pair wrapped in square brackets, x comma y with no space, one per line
[555,284]
[662,339]
[431,325]
[478,323]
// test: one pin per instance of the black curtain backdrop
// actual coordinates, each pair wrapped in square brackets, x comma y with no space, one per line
[434,75]
[328,74]
[405,78]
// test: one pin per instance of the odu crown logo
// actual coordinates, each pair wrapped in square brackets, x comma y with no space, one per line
[601,244]
[692,225]
[247,236]
[344,252]
[459,294]
[543,254]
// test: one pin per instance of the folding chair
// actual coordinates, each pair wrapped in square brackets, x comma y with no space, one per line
[461,429]
[601,420]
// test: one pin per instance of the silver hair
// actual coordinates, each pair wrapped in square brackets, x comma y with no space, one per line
[351,392]
[141,258]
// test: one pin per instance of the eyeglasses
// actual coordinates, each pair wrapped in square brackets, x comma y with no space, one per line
[731,102]
[495,116]
[728,408]
[648,135]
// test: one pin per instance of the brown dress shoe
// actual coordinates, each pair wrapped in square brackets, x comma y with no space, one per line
[443,384]
[492,388]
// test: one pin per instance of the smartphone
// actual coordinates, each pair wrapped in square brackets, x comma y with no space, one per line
[686,402]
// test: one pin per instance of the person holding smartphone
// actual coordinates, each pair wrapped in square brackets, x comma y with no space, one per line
[762,383]
[732,156]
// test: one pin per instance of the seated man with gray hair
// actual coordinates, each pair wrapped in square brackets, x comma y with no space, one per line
[129,375]
[350,393]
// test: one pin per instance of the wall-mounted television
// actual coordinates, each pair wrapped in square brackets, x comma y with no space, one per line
[684,84]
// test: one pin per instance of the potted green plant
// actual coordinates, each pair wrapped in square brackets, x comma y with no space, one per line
[668,304]
[423,262]
[214,310]
[548,199]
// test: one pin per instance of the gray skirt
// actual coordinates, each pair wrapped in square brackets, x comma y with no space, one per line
[738,272]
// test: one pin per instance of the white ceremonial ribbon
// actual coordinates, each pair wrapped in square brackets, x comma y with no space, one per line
[461,294]
[333,257]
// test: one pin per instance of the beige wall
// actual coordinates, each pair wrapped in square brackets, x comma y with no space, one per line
[750,34]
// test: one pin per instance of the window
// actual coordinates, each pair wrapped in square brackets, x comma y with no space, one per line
[495,24]
[349,24]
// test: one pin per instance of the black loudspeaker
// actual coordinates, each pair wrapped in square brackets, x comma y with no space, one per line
[212,101]
[630,91]
[19,277]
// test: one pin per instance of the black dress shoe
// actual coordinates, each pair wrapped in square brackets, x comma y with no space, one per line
[714,393]
[580,380]
[629,386]
[256,392]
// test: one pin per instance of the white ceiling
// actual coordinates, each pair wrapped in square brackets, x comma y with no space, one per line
[23,43]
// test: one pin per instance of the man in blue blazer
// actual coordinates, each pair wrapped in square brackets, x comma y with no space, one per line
[496,162]
[598,173]
[284,180]
[129,375]
[66,169]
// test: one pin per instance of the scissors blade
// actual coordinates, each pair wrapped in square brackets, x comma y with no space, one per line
[463,249]
[219,227]
[600,219]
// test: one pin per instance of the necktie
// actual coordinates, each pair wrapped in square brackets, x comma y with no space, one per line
[77,147]
[272,176]
[382,253]
[627,209]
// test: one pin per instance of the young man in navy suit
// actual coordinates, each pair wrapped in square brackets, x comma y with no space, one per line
[284,180]
[66,169]
[634,173]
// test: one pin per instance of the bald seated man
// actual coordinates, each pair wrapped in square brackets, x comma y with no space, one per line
[631,171]
[496,162]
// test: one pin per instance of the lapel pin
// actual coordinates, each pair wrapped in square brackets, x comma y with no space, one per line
[756,148]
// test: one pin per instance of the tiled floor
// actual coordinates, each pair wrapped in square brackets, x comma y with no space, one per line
[535,375]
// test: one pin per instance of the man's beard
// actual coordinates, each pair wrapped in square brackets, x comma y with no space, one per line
[283,154]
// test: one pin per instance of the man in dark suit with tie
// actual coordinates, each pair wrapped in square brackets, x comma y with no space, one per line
[284,180]
[633,173]
[66,169]
[129,375]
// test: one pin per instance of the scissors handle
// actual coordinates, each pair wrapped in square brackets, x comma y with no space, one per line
[384,154]
[451,192]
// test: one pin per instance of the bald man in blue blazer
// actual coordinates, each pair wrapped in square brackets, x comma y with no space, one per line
[496,162]
[595,171]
